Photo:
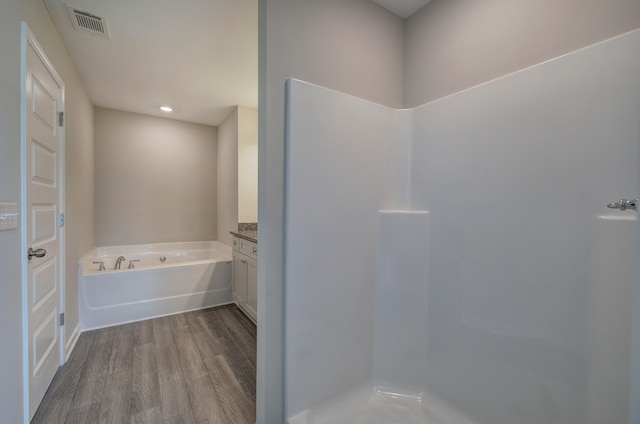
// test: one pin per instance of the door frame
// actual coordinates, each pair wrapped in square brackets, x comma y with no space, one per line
[27,38]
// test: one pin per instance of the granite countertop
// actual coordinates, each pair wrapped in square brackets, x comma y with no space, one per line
[247,231]
[251,235]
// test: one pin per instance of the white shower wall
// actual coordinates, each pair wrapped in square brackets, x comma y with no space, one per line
[462,251]
[526,164]
[336,168]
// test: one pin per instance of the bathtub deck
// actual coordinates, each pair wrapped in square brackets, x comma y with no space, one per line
[196,367]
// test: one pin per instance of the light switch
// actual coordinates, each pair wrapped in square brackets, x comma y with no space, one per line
[8,216]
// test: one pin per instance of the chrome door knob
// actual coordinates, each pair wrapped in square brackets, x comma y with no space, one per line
[624,204]
[38,253]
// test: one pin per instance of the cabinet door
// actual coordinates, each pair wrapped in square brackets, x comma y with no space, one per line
[248,248]
[239,279]
[252,289]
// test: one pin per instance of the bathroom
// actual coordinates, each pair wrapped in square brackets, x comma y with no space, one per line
[488,335]
[353,47]
[206,204]
[190,190]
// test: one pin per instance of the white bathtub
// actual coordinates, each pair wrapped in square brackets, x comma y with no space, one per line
[194,275]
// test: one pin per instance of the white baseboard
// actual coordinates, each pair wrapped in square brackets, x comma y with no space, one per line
[72,342]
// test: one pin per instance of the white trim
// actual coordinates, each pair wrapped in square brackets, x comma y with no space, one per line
[27,38]
[71,344]
[61,210]
[31,39]
[24,31]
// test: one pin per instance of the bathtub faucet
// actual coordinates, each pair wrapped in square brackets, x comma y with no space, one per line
[118,262]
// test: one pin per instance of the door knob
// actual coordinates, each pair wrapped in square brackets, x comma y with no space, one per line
[624,204]
[38,253]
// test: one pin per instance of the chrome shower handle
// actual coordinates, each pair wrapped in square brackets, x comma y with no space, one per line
[624,204]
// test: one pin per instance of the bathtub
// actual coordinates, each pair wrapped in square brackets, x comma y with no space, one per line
[166,278]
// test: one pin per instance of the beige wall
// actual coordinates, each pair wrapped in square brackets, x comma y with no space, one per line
[10,255]
[237,171]
[455,44]
[247,164]
[79,201]
[155,179]
[228,177]
[353,46]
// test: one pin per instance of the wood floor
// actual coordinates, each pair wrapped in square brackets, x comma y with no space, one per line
[198,367]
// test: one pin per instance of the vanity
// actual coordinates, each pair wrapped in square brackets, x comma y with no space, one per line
[245,272]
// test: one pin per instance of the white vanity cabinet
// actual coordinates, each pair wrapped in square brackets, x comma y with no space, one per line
[245,276]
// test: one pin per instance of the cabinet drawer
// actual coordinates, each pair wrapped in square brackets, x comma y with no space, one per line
[246,247]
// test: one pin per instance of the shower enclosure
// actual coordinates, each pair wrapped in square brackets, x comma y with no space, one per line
[457,262]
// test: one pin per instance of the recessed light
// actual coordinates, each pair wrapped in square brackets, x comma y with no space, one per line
[166,109]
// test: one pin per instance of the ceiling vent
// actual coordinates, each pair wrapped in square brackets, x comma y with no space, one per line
[88,22]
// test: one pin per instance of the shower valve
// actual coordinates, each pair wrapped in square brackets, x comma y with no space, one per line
[623,204]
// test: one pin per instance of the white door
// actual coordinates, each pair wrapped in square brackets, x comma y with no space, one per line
[42,150]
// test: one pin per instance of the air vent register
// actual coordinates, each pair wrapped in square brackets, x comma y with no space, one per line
[88,22]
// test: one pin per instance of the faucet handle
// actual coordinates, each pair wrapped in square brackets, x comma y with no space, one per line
[131,261]
[101,267]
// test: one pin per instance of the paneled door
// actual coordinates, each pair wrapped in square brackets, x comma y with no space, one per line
[42,238]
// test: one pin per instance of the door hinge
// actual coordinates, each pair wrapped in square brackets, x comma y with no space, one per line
[61,220]
[61,119]
[62,319]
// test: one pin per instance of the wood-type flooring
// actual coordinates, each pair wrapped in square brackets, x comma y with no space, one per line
[194,368]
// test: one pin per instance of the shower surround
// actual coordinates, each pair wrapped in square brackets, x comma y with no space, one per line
[452,263]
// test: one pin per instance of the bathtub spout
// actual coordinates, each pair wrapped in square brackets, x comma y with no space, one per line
[118,262]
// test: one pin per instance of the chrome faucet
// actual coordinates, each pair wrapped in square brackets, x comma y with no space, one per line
[118,262]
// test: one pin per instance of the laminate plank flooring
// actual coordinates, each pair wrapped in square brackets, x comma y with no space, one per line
[145,388]
[243,367]
[192,368]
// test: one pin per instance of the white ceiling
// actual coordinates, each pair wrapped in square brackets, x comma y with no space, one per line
[198,56]
[402,8]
